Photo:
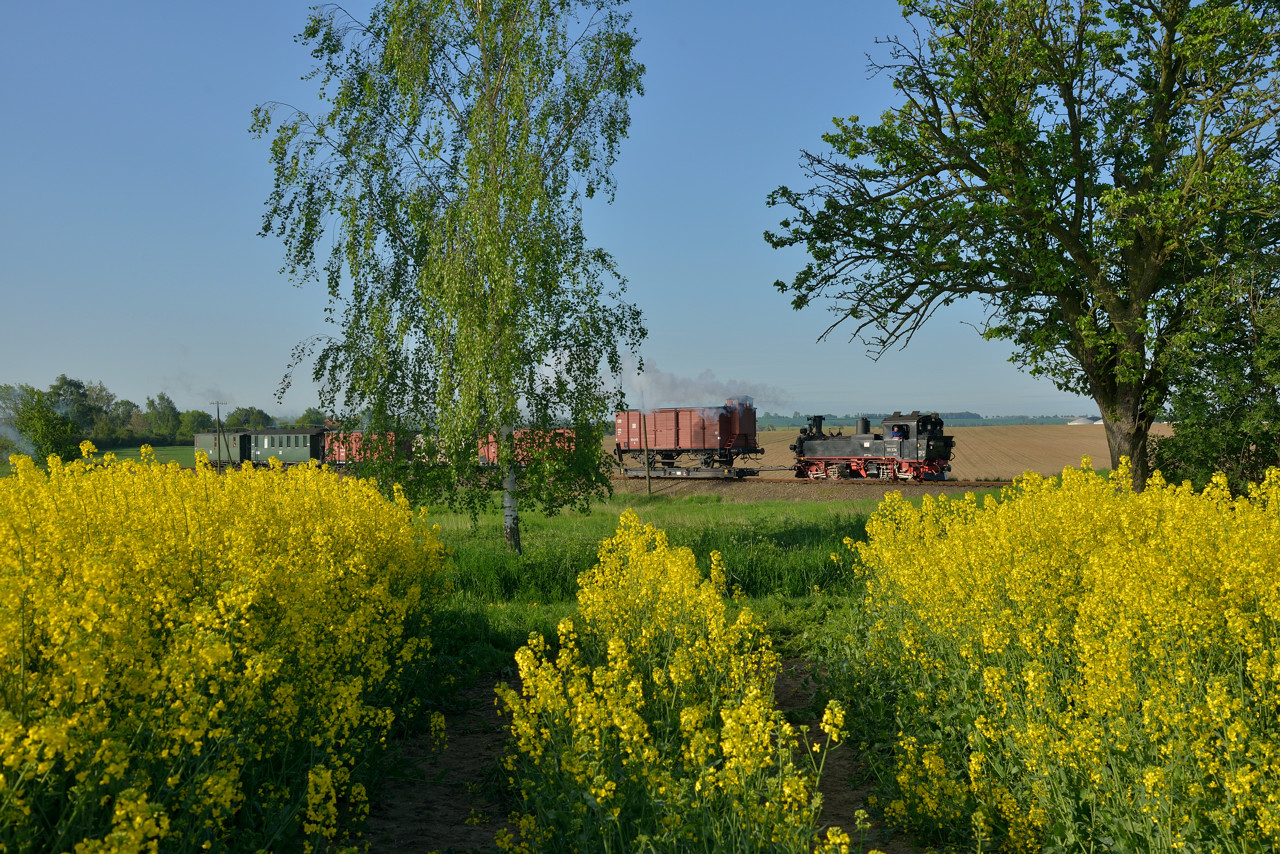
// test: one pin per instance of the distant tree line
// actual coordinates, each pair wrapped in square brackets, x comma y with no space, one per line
[776,420]
[54,421]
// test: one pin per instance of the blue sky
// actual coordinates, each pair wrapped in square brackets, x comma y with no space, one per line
[132,192]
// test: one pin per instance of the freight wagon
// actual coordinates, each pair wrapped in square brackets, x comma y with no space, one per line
[348,447]
[688,441]
[528,444]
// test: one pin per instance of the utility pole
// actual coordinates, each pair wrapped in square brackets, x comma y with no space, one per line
[644,435]
[217,437]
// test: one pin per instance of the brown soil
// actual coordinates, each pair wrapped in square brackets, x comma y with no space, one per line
[446,801]
[843,787]
[753,489]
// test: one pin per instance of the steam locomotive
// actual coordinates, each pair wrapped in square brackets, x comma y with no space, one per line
[908,447]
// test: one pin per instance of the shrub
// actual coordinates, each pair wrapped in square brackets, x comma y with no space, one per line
[653,727]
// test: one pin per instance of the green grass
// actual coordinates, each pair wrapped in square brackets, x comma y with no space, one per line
[184,455]
[777,556]
[769,548]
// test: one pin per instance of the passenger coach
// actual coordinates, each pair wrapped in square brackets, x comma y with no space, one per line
[289,445]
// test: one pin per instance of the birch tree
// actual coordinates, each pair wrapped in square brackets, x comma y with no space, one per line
[445,180]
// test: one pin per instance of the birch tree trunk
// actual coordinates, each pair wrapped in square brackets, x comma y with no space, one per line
[510,512]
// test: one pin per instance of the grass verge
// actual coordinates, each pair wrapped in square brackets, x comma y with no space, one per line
[777,555]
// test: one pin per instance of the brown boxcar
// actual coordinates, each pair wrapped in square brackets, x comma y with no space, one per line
[526,443]
[712,436]
[342,448]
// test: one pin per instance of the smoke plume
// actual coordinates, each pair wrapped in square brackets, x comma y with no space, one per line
[657,388]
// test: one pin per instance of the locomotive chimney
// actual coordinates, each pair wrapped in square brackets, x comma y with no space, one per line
[864,426]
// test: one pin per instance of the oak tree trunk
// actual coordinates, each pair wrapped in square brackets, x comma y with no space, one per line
[1128,427]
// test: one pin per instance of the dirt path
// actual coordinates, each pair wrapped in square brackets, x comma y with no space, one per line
[447,801]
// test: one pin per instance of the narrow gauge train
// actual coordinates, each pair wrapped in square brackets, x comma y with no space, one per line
[688,441]
[908,447]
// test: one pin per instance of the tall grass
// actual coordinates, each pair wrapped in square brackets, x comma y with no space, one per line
[775,554]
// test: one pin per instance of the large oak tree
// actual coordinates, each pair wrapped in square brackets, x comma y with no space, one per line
[1225,399]
[444,179]
[1092,171]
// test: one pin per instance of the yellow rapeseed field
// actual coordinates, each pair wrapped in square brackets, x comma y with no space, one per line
[188,658]
[1080,665]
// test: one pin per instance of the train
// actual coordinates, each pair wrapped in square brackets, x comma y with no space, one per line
[908,447]
[529,444]
[672,442]
[291,446]
[688,441]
